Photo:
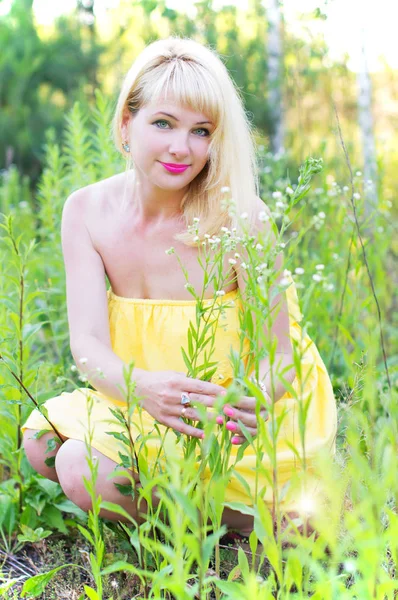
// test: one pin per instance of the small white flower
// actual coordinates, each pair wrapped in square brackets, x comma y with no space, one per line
[277,194]
[284,281]
[321,215]
[83,361]
[99,369]
[244,215]
[335,256]
[263,216]
[330,287]
[60,379]
[220,376]
[289,190]
[299,270]
[259,247]
[220,293]
[73,368]
[207,236]
[217,240]
[196,238]
[233,229]
[358,173]
[317,277]
[232,261]
[319,267]
[357,196]
[286,272]
[203,243]
[380,229]
[237,255]
[346,188]
[260,279]
[170,251]
[280,204]
[282,245]
[225,189]
[83,378]
[243,265]
[196,219]
[23,204]
[318,191]
[225,229]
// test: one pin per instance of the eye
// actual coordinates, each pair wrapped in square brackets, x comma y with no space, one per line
[206,131]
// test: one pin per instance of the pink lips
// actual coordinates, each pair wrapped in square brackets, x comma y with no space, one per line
[175,168]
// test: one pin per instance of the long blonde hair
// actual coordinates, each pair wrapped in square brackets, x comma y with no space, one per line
[194,76]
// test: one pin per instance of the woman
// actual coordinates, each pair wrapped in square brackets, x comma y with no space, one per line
[182,128]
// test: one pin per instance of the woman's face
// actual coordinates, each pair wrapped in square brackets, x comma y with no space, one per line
[180,137]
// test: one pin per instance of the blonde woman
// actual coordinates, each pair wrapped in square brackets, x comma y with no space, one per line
[182,128]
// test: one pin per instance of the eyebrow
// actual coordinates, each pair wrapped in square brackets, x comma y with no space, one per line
[175,118]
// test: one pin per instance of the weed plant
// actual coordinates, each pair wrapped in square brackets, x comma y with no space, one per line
[346,301]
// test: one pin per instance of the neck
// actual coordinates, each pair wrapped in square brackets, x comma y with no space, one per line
[151,203]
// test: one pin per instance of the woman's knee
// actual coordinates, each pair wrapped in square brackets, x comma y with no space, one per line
[37,452]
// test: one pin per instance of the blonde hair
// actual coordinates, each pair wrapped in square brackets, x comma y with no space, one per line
[195,77]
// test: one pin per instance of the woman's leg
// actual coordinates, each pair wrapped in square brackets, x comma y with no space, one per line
[71,466]
[36,452]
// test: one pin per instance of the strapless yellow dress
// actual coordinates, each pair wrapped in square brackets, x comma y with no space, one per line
[152,332]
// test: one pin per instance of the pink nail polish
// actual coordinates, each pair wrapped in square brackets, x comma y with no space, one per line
[235,440]
[231,426]
[229,412]
[219,420]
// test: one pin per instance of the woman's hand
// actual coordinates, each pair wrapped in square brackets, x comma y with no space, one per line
[244,411]
[161,392]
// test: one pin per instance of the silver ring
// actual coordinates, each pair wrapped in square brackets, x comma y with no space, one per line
[185,399]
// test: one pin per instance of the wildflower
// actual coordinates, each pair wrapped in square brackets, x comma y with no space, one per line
[280,204]
[357,196]
[284,281]
[225,229]
[358,173]
[220,376]
[83,361]
[335,256]
[260,279]
[83,378]
[244,215]
[321,215]
[60,379]
[286,272]
[114,583]
[380,229]
[196,219]
[196,238]
[259,247]
[99,369]
[244,265]
[232,261]
[317,277]
[299,270]
[263,216]
[207,236]
[73,368]
[282,245]
[170,251]
[233,229]
[188,286]
[329,287]
[318,191]
[237,255]
[23,204]
[319,267]
[289,190]
[225,189]
[277,194]
[220,293]
[346,188]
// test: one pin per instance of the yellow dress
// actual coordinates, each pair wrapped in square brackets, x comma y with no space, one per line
[152,332]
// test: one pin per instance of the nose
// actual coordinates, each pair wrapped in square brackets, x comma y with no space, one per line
[179,145]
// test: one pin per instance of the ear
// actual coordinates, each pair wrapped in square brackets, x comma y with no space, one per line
[126,118]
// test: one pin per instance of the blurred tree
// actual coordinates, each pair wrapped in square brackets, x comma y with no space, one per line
[39,80]
[275,70]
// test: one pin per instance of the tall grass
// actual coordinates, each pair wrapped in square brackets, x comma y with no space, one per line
[177,545]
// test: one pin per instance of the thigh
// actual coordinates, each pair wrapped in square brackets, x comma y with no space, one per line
[37,453]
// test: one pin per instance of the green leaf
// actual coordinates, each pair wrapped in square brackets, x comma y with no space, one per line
[35,586]
[186,360]
[92,594]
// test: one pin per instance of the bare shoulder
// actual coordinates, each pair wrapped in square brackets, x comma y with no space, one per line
[93,199]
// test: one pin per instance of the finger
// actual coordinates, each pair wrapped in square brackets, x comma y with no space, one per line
[249,403]
[202,399]
[237,440]
[184,428]
[236,429]
[191,414]
[205,388]
[248,418]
